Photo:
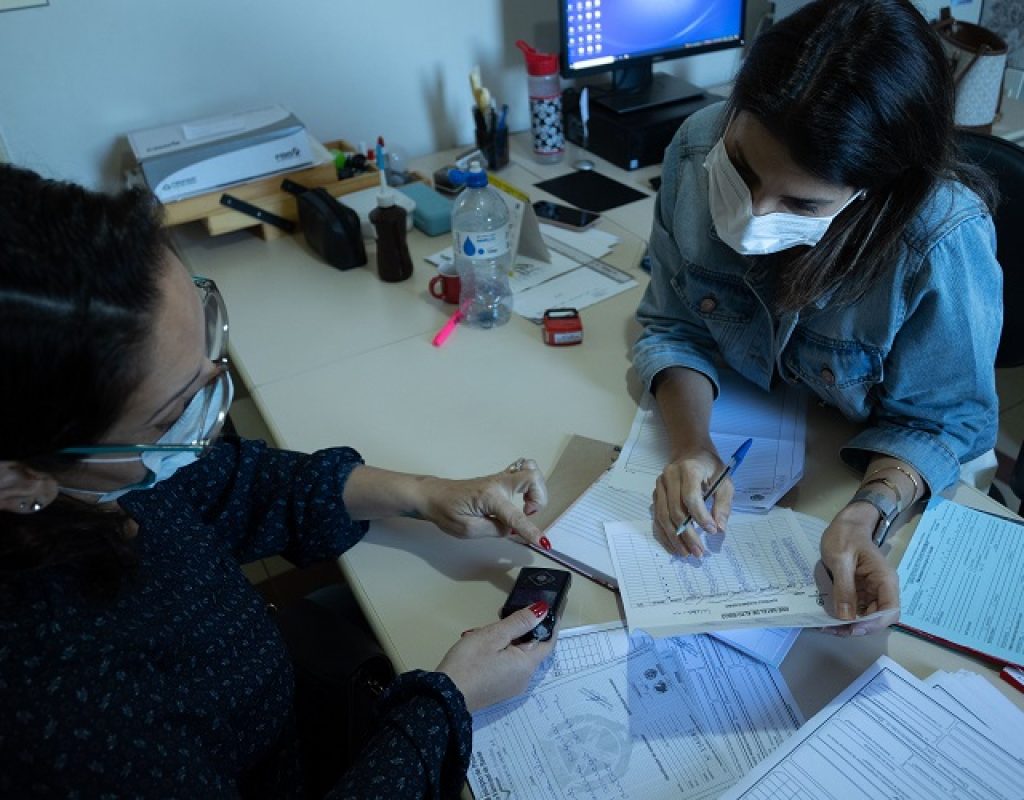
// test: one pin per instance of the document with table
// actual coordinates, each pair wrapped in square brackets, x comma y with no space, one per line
[633,718]
[961,581]
[776,421]
[892,735]
[762,573]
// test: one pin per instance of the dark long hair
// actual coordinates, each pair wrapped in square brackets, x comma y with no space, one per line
[78,287]
[861,94]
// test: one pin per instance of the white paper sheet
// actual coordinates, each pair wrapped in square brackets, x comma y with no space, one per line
[977,699]
[886,736]
[580,649]
[961,580]
[561,282]
[769,645]
[777,422]
[581,288]
[577,537]
[681,720]
[761,574]
[594,243]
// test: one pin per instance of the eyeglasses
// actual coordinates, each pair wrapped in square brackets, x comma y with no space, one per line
[217,390]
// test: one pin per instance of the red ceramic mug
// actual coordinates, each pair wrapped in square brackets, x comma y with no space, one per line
[446,286]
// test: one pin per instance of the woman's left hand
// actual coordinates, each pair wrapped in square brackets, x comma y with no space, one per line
[863,582]
[487,506]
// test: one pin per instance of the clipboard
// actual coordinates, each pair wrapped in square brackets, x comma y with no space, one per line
[582,462]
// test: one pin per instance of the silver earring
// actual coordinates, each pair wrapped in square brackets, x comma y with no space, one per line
[36,506]
[21,506]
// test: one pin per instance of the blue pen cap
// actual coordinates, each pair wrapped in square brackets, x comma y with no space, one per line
[475,177]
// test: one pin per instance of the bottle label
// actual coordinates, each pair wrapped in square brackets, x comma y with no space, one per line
[483,245]
[546,124]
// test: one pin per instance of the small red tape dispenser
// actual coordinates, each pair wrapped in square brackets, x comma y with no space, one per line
[562,326]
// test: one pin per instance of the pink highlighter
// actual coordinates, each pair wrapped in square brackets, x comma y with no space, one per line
[442,335]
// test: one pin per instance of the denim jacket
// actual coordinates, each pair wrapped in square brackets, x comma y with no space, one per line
[913,358]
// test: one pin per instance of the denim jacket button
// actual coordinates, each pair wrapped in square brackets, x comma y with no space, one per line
[708,304]
[828,376]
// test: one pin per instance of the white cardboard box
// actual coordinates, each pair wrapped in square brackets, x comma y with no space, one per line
[189,158]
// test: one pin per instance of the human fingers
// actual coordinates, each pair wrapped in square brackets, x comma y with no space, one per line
[510,519]
[721,506]
[665,528]
[842,566]
[529,482]
[696,475]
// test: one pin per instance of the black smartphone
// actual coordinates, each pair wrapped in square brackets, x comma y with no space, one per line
[533,584]
[575,219]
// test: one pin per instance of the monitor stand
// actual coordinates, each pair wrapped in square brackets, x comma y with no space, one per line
[661,89]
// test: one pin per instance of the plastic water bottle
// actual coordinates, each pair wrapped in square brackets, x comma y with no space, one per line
[545,104]
[480,228]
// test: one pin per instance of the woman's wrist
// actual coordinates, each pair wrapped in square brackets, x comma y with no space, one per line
[860,515]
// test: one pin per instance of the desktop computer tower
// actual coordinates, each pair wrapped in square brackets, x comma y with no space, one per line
[631,140]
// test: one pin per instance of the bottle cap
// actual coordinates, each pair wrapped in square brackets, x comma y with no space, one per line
[475,177]
[385,197]
[538,63]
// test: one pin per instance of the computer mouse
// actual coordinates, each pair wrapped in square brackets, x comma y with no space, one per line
[584,164]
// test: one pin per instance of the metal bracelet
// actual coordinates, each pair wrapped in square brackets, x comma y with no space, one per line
[905,471]
[889,485]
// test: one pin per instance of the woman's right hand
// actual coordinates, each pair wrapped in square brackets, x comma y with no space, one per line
[679,493]
[486,665]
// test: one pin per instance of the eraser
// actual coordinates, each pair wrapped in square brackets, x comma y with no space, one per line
[433,214]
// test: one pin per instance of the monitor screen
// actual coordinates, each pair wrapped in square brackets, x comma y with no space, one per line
[598,35]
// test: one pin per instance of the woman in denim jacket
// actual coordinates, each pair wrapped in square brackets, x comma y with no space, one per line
[820,228]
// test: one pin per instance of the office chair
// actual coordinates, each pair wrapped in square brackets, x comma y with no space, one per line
[1004,161]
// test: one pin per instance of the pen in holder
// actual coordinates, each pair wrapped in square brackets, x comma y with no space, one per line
[492,136]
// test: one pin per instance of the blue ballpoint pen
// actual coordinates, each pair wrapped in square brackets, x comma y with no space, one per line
[730,468]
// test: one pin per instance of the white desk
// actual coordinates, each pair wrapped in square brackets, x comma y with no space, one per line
[341,358]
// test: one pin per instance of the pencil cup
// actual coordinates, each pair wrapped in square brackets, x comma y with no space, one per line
[494,145]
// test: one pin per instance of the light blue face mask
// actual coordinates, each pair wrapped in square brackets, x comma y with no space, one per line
[160,465]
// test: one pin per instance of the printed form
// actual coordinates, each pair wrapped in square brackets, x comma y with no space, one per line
[760,574]
[578,541]
[961,580]
[577,537]
[776,421]
[887,736]
[681,719]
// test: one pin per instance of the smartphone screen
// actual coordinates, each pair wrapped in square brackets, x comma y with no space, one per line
[564,215]
[533,584]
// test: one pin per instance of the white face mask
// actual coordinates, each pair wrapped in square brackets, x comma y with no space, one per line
[162,464]
[732,211]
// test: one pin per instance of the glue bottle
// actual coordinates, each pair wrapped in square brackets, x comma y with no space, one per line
[389,219]
[545,104]
[483,258]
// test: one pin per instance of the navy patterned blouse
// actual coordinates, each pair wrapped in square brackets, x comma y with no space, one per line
[182,685]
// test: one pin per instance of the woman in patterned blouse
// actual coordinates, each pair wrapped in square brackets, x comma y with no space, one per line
[135,658]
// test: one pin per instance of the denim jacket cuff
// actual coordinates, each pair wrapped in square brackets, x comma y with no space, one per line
[925,452]
[649,361]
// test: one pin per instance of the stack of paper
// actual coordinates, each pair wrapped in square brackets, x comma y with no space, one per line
[960,581]
[777,422]
[890,735]
[761,574]
[612,717]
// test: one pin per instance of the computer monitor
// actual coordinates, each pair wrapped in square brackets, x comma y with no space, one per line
[626,37]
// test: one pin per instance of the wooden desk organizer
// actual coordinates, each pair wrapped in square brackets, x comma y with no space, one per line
[268,195]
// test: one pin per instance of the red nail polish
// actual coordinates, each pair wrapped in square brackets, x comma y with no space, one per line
[539,609]
[545,543]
